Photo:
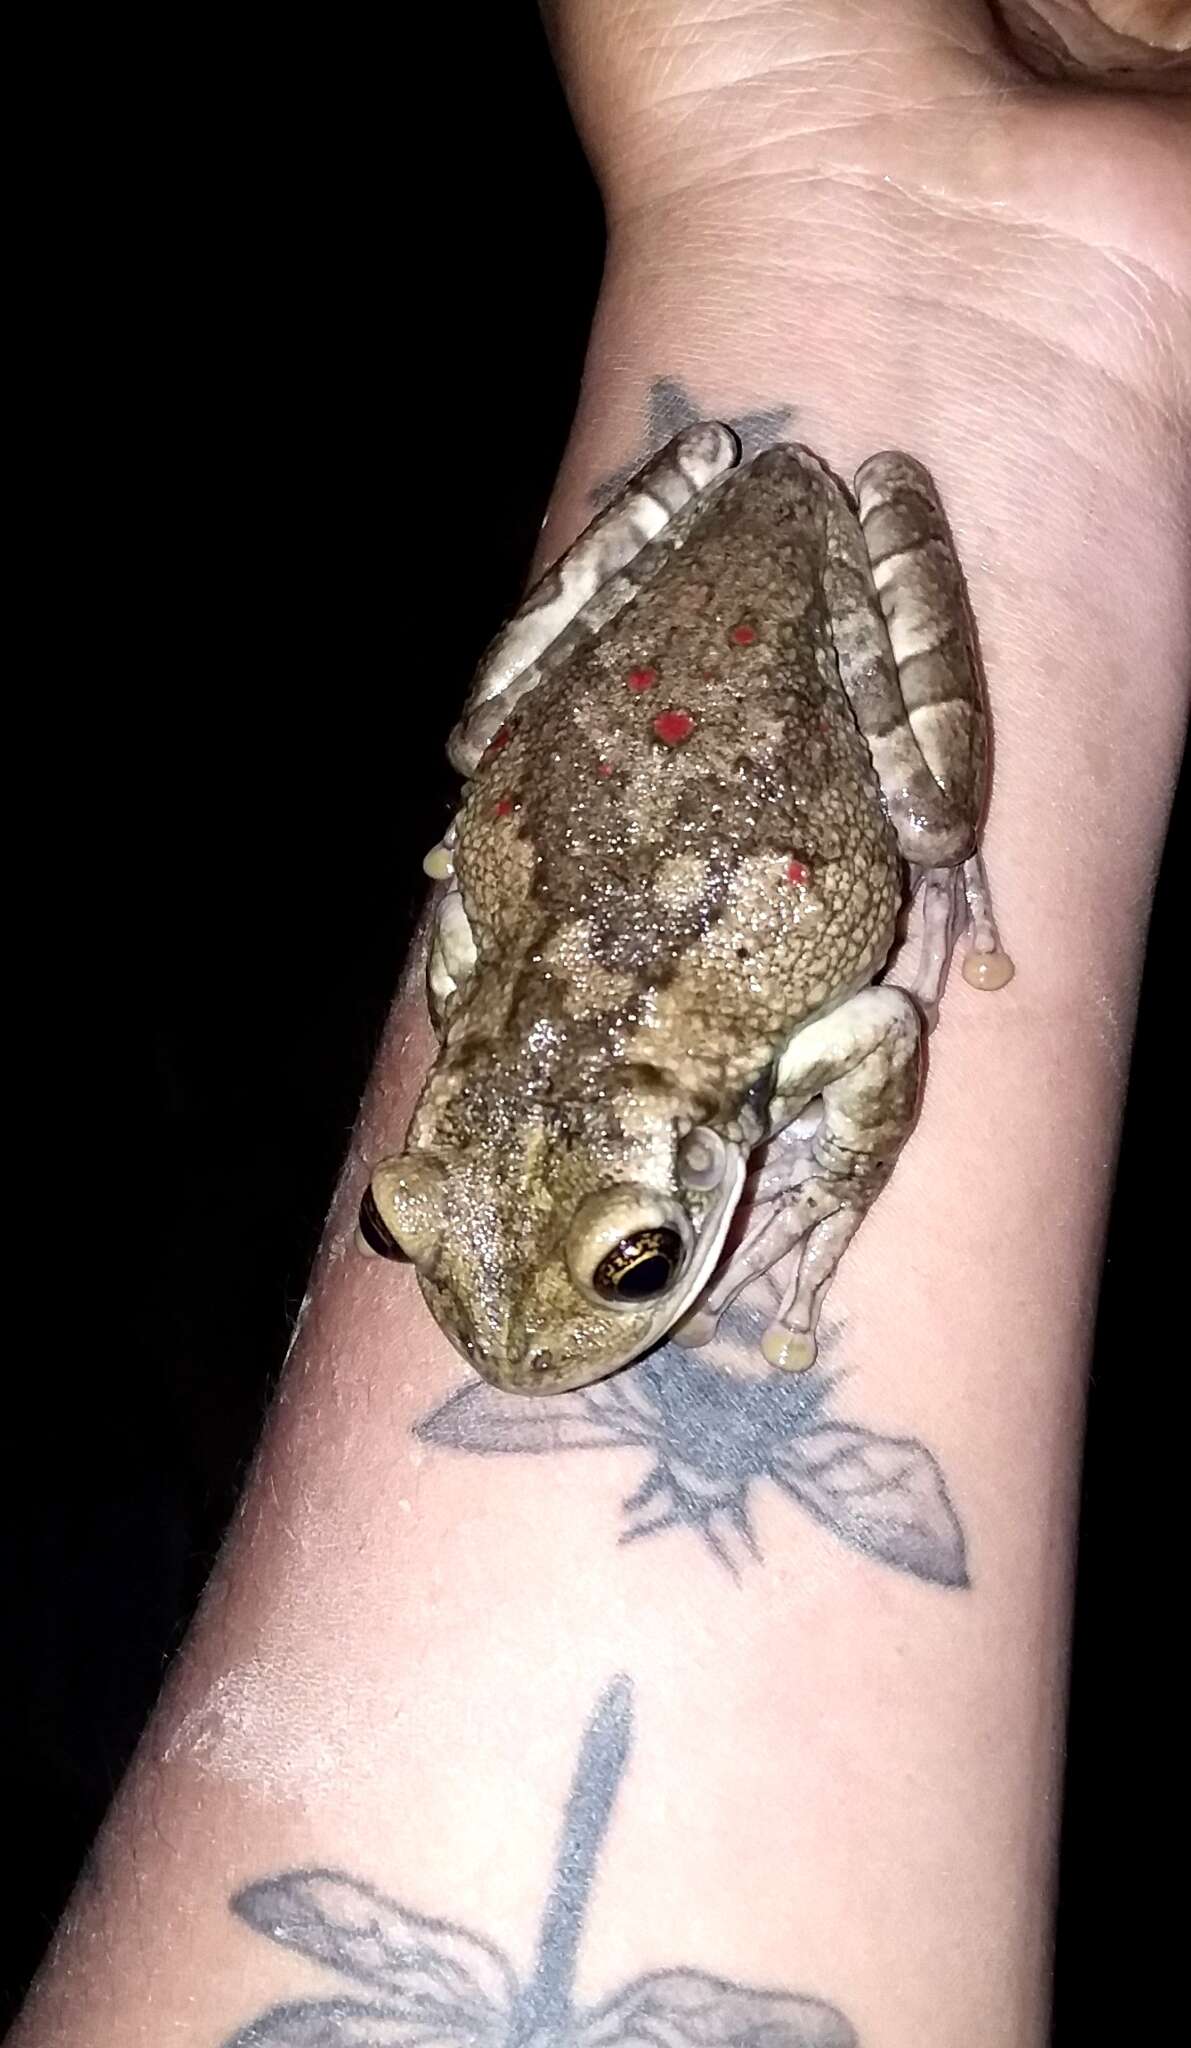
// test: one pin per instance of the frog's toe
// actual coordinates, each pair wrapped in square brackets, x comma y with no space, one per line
[439,863]
[986,964]
[696,1329]
[788,1350]
[989,971]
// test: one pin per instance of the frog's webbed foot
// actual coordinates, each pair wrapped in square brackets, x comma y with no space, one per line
[815,1222]
[785,1161]
[986,963]
[845,1102]
[951,904]
[584,589]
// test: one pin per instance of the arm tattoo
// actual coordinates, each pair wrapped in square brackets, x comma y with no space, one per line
[670,408]
[416,1981]
[714,1437]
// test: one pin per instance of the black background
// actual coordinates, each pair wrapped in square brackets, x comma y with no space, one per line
[357,306]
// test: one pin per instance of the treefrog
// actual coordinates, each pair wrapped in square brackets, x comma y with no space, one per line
[722,742]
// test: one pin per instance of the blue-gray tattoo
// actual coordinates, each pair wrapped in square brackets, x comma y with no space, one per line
[670,408]
[715,1435]
[417,1981]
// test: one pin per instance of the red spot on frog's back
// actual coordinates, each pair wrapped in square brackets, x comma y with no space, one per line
[673,727]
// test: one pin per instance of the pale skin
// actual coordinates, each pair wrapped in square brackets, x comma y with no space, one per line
[841,1781]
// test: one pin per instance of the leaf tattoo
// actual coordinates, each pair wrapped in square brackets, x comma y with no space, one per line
[714,1436]
[424,1983]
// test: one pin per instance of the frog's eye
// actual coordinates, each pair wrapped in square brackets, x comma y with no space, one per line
[640,1267]
[401,1213]
[702,1158]
[375,1231]
[627,1246]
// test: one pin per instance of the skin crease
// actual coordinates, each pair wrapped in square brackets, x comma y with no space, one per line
[839,1781]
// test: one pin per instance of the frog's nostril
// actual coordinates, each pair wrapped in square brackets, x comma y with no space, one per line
[541,1361]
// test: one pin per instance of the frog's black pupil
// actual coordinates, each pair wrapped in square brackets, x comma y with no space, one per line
[647,1277]
[640,1267]
[375,1231]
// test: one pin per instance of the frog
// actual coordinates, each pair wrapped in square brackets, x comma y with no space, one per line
[725,743]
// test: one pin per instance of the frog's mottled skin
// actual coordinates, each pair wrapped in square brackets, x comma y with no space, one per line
[673,856]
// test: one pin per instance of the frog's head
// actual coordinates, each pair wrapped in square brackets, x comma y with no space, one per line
[560,1257]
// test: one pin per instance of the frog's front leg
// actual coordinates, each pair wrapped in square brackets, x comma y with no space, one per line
[907,657]
[862,1061]
[452,956]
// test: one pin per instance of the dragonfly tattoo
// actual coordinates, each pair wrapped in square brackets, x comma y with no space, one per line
[418,1982]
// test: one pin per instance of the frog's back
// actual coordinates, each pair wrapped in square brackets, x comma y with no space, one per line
[683,814]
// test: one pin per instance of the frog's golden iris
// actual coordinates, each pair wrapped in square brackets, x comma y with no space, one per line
[640,1267]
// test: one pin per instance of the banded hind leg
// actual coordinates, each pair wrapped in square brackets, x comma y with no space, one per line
[584,587]
[907,657]
[578,594]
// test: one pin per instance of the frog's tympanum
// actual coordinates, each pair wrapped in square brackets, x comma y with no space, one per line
[723,742]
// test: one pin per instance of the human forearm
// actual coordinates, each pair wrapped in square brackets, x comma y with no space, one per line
[843,1756]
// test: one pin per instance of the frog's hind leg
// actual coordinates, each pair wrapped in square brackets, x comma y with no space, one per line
[907,658]
[584,588]
[827,1167]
